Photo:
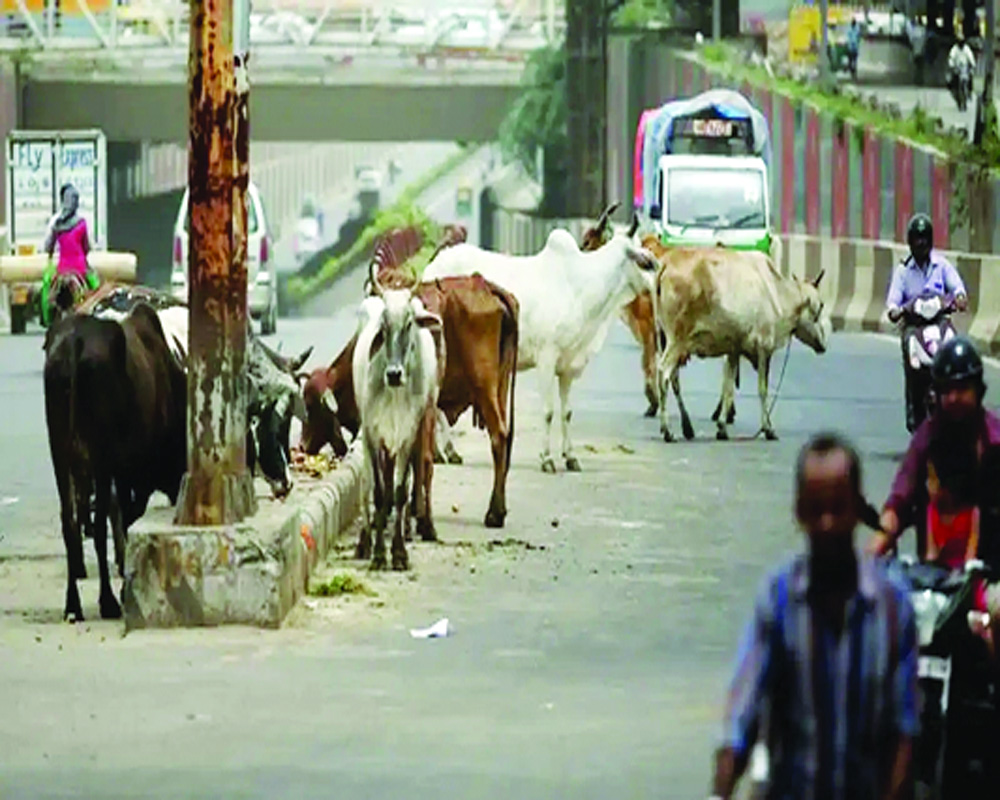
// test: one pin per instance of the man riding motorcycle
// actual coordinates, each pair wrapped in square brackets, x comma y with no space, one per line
[961,64]
[924,271]
[959,418]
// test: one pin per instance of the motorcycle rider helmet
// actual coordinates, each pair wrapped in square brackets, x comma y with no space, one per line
[956,362]
[920,236]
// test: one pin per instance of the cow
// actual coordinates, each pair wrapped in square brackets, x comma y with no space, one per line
[480,322]
[567,301]
[715,302]
[395,370]
[115,402]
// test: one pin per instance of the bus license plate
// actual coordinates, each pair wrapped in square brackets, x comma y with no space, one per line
[934,667]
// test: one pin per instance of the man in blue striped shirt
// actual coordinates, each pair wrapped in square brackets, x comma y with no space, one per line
[827,669]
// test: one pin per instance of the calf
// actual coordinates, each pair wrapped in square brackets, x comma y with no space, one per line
[115,409]
[395,370]
[480,322]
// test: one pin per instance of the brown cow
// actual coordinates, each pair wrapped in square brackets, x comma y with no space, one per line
[480,329]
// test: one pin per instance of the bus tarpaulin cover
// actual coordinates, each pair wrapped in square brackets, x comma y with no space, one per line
[656,131]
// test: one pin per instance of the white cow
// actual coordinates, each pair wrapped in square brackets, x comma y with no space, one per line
[396,379]
[568,300]
[715,302]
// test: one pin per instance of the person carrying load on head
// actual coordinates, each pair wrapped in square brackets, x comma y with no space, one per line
[68,230]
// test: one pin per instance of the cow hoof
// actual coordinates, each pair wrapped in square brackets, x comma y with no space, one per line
[110,608]
[770,435]
[722,435]
[731,416]
[572,464]
[668,437]
[549,466]
[363,552]
[426,530]
[379,563]
[688,429]
[454,457]
[72,616]
[494,519]
[651,410]
[438,458]
[400,562]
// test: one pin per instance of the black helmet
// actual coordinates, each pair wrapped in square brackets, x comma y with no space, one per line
[920,225]
[957,361]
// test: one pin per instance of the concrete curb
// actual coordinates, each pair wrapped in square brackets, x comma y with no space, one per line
[251,573]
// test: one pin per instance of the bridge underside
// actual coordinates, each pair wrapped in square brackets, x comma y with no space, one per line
[292,112]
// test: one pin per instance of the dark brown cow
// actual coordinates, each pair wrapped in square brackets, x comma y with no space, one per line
[480,329]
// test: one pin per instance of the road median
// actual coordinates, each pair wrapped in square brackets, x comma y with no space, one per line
[250,573]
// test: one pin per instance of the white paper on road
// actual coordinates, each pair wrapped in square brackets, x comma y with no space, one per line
[436,631]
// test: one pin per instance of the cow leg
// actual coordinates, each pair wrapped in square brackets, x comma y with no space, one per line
[494,418]
[383,509]
[400,561]
[108,604]
[371,472]
[74,546]
[565,383]
[422,479]
[447,452]
[675,384]
[667,364]
[763,374]
[547,380]
[649,375]
[728,397]
[118,532]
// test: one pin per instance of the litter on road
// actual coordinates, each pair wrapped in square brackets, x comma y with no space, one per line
[436,631]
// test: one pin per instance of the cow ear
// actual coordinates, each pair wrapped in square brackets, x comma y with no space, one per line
[428,320]
[635,225]
[377,342]
[330,401]
[819,277]
[642,258]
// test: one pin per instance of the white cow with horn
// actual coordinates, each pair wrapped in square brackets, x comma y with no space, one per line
[568,300]
[396,380]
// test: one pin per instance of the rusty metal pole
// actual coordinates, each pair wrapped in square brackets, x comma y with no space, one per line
[217,489]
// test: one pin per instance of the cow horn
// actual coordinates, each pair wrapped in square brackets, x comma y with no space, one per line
[603,220]
[295,363]
[818,278]
[635,225]
[373,276]
[330,401]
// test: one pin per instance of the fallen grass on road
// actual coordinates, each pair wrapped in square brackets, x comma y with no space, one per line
[403,213]
[340,584]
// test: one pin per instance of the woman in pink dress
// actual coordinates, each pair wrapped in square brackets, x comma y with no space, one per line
[68,230]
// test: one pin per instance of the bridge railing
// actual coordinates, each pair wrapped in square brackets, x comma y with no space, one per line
[484,28]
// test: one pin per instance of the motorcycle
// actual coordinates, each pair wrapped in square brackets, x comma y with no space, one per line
[957,677]
[307,238]
[925,326]
[961,86]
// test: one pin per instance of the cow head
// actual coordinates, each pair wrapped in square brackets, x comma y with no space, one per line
[402,316]
[595,237]
[812,326]
[322,423]
[641,263]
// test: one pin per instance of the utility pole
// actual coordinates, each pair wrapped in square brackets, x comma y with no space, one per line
[586,84]
[217,489]
[716,20]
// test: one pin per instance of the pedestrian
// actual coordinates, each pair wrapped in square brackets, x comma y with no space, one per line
[829,659]
[853,45]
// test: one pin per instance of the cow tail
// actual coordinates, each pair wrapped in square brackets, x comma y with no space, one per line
[515,327]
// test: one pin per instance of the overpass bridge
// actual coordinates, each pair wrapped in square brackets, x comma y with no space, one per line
[349,70]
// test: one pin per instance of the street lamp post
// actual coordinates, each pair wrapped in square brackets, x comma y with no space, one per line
[217,488]
[824,52]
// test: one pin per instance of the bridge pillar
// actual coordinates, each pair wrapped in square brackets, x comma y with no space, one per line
[9,120]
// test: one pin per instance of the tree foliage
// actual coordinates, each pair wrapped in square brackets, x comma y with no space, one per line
[537,118]
[643,13]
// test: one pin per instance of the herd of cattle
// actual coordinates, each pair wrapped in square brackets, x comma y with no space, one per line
[423,353]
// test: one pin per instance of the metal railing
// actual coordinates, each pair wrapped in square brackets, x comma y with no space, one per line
[126,29]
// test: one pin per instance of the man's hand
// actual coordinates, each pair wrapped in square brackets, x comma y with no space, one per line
[889,522]
[882,541]
[961,302]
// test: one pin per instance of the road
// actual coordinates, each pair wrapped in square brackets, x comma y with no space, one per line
[592,668]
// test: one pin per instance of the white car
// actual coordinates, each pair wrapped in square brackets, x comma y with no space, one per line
[262,284]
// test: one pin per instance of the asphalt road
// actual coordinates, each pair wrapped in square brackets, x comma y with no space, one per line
[589,653]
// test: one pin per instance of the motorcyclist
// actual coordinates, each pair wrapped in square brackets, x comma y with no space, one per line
[959,57]
[68,230]
[923,271]
[959,419]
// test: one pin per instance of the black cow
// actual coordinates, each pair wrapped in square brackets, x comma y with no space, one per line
[115,404]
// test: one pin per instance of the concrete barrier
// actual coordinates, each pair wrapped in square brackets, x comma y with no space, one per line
[251,573]
[857,279]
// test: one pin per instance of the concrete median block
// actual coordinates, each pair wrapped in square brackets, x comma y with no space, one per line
[251,573]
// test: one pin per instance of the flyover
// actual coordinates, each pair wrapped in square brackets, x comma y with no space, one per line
[329,70]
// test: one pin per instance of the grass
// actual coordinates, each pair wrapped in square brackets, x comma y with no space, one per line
[340,584]
[403,213]
[917,127]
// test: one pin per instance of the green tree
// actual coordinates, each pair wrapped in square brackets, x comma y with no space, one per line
[641,13]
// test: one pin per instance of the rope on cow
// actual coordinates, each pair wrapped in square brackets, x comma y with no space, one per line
[777,389]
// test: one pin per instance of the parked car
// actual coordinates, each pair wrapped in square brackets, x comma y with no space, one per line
[262,284]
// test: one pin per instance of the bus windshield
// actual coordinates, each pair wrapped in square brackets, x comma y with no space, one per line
[715,198]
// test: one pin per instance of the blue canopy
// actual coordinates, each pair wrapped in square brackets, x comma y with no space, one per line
[724,103]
